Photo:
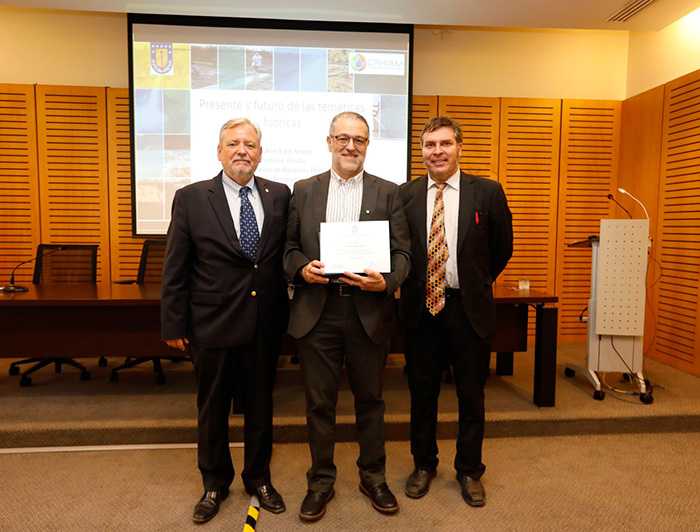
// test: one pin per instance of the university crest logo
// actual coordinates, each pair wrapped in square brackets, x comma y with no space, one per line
[161,58]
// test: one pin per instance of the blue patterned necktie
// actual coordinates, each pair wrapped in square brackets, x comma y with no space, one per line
[249,236]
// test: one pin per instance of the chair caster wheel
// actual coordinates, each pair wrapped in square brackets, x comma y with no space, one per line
[114,376]
[160,379]
[84,375]
[14,370]
[599,395]
[569,372]
[25,381]
[646,398]
[626,377]
[102,362]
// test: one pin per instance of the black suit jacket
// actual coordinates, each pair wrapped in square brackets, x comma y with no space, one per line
[483,248]
[211,292]
[307,209]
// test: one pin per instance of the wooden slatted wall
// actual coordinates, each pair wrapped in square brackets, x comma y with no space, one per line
[20,229]
[72,142]
[479,118]
[423,109]
[528,171]
[126,250]
[678,237]
[590,140]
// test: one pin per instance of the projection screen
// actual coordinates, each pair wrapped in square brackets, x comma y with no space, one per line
[189,75]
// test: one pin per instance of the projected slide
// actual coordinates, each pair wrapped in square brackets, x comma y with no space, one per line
[188,81]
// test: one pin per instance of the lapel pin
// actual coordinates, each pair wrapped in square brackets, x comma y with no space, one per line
[366,211]
[267,189]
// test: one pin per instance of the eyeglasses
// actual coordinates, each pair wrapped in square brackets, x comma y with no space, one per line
[344,140]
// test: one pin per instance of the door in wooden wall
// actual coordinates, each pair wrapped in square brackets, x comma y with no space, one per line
[20,227]
[72,144]
[677,293]
[528,171]
[590,145]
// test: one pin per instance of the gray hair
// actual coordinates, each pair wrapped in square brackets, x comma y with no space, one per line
[348,114]
[237,122]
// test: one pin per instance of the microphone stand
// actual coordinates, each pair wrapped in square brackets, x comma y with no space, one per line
[12,288]
[610,197]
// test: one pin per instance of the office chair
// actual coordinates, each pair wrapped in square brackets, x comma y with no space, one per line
[60,263]
[150,271]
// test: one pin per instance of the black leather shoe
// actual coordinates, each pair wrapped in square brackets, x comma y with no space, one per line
[269,498]
[208,506]
[382,498]
[313,507]
[473,491]
[418,483]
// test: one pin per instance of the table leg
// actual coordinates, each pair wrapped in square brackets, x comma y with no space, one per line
[545,355]
[504,363]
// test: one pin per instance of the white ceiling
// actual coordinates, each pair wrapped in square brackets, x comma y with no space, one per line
[565,14]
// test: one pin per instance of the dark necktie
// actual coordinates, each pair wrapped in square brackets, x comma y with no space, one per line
[249,236]
[437,256]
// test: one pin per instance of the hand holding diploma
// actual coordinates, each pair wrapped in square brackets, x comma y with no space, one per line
[314,272]
[371,282]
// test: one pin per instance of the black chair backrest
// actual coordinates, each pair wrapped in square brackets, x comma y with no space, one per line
[65,263]
[151,264]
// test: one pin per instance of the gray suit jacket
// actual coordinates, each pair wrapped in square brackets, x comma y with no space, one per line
[307,209]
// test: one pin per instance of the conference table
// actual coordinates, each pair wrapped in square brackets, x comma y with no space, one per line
[114,320]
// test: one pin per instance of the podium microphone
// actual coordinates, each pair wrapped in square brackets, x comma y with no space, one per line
[12,287]
[611,197]
[623,191]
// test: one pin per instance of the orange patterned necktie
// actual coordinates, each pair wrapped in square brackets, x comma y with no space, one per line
[437,256]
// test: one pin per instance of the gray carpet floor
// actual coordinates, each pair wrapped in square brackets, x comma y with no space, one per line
[612,482]
[59,409]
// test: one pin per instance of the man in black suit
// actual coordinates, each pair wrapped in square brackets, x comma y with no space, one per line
[461,239]
[224,295]
[346,319]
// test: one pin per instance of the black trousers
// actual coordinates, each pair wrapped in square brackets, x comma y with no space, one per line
[339,335]
[219,372]
[449,334]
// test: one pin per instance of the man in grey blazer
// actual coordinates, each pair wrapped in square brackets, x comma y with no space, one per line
[347,319]
[224,296]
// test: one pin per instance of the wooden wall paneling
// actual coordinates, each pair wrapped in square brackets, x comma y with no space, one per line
[588,170]
[423,108]
[125,249]
[640,163]
[528,171]
[678,235]
[72,140]
[479,118]
[20,229]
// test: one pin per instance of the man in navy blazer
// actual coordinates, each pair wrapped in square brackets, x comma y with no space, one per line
[477,226]
[224,296]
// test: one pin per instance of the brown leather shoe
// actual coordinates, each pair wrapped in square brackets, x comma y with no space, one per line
[208,506]
[418,484]
[313,507]
[382,498]
[473,491]
[269,498]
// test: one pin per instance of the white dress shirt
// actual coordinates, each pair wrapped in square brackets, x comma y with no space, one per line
[344,198]
[232,190]
[450,199]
